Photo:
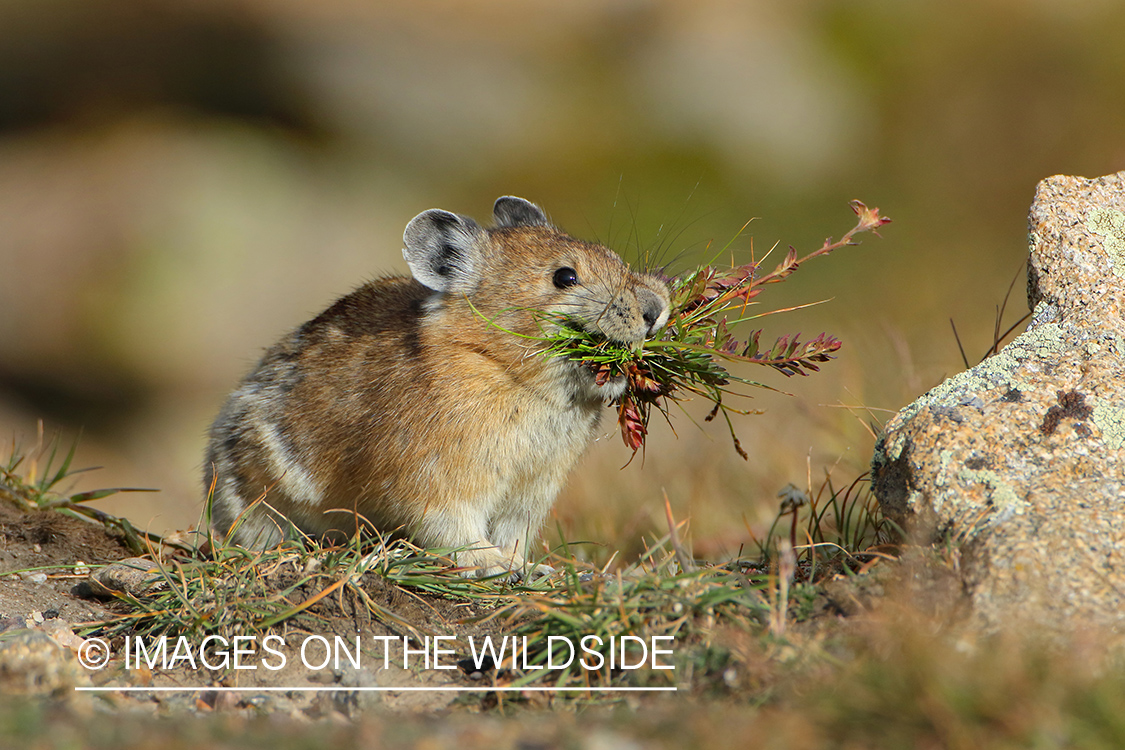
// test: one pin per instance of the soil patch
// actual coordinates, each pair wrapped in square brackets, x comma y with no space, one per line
[38,553]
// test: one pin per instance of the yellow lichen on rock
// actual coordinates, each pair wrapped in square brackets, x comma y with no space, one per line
[1111,421]
[1110,224]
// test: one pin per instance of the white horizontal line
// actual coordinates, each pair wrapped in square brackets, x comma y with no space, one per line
[343,689]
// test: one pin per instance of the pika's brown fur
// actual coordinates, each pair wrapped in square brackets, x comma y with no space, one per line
[414,404]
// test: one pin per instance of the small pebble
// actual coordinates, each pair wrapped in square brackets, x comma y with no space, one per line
[81,568]
[135,575]
[37,616]
[34,577]
[12,623]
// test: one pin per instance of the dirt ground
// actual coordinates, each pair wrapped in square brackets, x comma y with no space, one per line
[48,540]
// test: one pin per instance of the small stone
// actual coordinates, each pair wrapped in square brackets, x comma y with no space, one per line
[12,623]
[135,575]
[218,700]
[37,617]
[349,702]
[34,577]
[81,568]
[61,634]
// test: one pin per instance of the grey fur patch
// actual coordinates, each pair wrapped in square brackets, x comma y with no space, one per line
[443,251]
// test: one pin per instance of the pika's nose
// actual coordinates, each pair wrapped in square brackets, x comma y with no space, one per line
[654,310]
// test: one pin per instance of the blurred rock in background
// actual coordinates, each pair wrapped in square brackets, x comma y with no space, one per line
[180,184]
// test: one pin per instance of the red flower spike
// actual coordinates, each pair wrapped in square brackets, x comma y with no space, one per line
[641,381]
[632,424]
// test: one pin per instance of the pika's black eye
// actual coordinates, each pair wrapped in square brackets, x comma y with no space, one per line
[565,277]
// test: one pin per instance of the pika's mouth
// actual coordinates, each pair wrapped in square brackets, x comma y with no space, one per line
[590,350]
[588,335]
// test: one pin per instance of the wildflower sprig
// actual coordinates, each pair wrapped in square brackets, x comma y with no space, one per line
[689,355]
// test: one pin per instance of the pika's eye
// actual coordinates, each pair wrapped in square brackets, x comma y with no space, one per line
[565,277]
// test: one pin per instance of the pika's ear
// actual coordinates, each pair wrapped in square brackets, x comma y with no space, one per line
[510,211]
[443,251]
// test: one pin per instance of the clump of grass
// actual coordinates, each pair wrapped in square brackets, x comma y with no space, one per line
[668,592]
[689,357]
[655,596]
[834,530]
[228,590]
[33,479]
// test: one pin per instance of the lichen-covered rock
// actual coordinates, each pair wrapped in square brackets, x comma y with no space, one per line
[1020,461]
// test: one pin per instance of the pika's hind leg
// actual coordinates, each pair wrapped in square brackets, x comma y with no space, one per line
[252,525]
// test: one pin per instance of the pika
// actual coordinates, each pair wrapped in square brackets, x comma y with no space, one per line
[424,406]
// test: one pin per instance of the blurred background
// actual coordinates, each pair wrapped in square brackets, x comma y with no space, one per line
[183,183]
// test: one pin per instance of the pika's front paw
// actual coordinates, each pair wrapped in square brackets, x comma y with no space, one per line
[539,571]
[528,572]
[489,562]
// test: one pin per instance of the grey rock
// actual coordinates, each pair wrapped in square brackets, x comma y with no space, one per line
[1028,485]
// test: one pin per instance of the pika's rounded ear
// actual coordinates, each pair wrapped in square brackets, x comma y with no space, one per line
[510,211]
[444,251]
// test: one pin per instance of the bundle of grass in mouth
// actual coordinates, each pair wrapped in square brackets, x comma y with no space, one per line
[688,356]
